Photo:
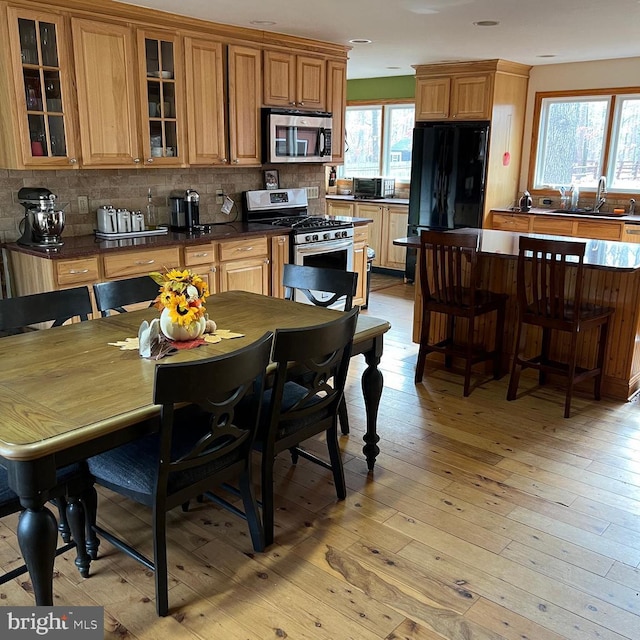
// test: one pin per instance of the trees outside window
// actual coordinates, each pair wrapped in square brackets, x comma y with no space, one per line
[379,139]
[582,137]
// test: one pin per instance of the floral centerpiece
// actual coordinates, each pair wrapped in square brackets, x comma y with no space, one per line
[181,299]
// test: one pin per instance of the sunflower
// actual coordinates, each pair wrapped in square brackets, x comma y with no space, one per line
[182,293]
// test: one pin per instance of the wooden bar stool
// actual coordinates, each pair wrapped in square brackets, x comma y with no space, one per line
[449,285]
[549,290]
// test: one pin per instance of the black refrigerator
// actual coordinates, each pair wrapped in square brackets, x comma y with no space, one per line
[448,171]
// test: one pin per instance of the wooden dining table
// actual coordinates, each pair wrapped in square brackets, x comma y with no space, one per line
[67,394]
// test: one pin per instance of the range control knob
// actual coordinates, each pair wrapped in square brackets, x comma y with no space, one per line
[315,237]
[326,236]
[307,238]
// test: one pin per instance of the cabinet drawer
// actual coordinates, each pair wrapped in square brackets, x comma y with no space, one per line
[201,254]
[600,230]
[140,262]
[504,222]
[77,271]
[555,227]
[361,234]
[237,249]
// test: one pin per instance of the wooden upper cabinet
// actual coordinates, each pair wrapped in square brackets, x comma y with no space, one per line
[160,71]
[336,104]
[205,102]
[38,111]
[311,83]
[106,85]
[462,97]
[245,83]
[295,81]
[432,98]
[471,97]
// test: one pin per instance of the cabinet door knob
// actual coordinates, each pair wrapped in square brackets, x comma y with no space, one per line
[73,160]
[236,161]
[149,160]
[223,160]
[293,103]
[301,104]
[136,160]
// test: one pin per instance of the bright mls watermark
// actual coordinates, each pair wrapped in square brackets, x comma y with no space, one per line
[72,623]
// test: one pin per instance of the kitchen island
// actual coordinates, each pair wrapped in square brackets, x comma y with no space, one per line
[612,278]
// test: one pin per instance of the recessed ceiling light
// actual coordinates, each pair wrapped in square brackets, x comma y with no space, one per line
[360,41]
[486,23]
[546,55]
[263,23]
[394,67]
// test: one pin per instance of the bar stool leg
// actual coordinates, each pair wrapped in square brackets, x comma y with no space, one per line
[602,346]
[424,347]
[516,366]
[497,347]
[573,354]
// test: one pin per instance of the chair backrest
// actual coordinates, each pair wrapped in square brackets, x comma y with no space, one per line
[342,284]
[214,386]
[448,268]
[59,306]
[114,295]
[549,279]
[321,355]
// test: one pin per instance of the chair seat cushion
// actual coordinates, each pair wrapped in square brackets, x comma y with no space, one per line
[132,468]
[291,395]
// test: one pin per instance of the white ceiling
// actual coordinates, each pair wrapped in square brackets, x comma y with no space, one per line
[407,32]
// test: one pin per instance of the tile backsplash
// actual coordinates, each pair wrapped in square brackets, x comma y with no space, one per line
[124,188]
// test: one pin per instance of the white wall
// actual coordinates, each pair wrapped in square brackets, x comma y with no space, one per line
[601,74]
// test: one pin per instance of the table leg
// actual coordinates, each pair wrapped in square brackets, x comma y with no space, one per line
[37,536]
[372,391]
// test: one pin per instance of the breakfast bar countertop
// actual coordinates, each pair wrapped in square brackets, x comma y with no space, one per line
[599,254]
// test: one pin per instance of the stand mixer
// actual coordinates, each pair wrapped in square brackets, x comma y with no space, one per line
[43,223]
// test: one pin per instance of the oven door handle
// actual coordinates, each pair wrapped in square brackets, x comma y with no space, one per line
[324,247]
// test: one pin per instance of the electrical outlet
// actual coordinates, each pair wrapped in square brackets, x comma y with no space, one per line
[219,196]
[83,204]
[545,202]
[312,192]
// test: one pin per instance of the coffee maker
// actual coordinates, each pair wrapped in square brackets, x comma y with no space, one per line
[185,210]
[43,220]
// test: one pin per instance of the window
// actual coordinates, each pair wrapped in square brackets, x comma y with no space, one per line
[379,139]
[582,137]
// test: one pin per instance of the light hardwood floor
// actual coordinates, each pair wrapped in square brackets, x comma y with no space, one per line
[483,520]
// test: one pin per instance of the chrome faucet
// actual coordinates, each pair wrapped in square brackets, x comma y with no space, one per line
[632,207]
[600,191]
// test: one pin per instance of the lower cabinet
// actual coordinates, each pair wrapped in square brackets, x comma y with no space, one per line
[360,244]
[561,225]
[202,260]
[389,222]
[244,265]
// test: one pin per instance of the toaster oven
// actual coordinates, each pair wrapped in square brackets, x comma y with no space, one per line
[374,187]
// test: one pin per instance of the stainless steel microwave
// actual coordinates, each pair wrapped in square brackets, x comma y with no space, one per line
[296,136]
[374,187]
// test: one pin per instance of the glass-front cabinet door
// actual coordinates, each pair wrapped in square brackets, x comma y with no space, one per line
[42,88]
[162,93]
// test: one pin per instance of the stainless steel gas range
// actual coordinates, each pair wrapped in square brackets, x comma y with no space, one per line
[315,241]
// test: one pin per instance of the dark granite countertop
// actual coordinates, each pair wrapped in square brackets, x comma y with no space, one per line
[80,246]
[601,254]
[400,201]
[589,215]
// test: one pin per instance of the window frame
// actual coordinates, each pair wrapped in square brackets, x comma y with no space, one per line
[614,95]
[386,102]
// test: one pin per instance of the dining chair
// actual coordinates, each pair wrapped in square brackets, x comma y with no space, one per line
[115,295]
[18,314]
[549,285]
[313,280]
[196,448]
[449,285]
[74,493]
[292,413]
